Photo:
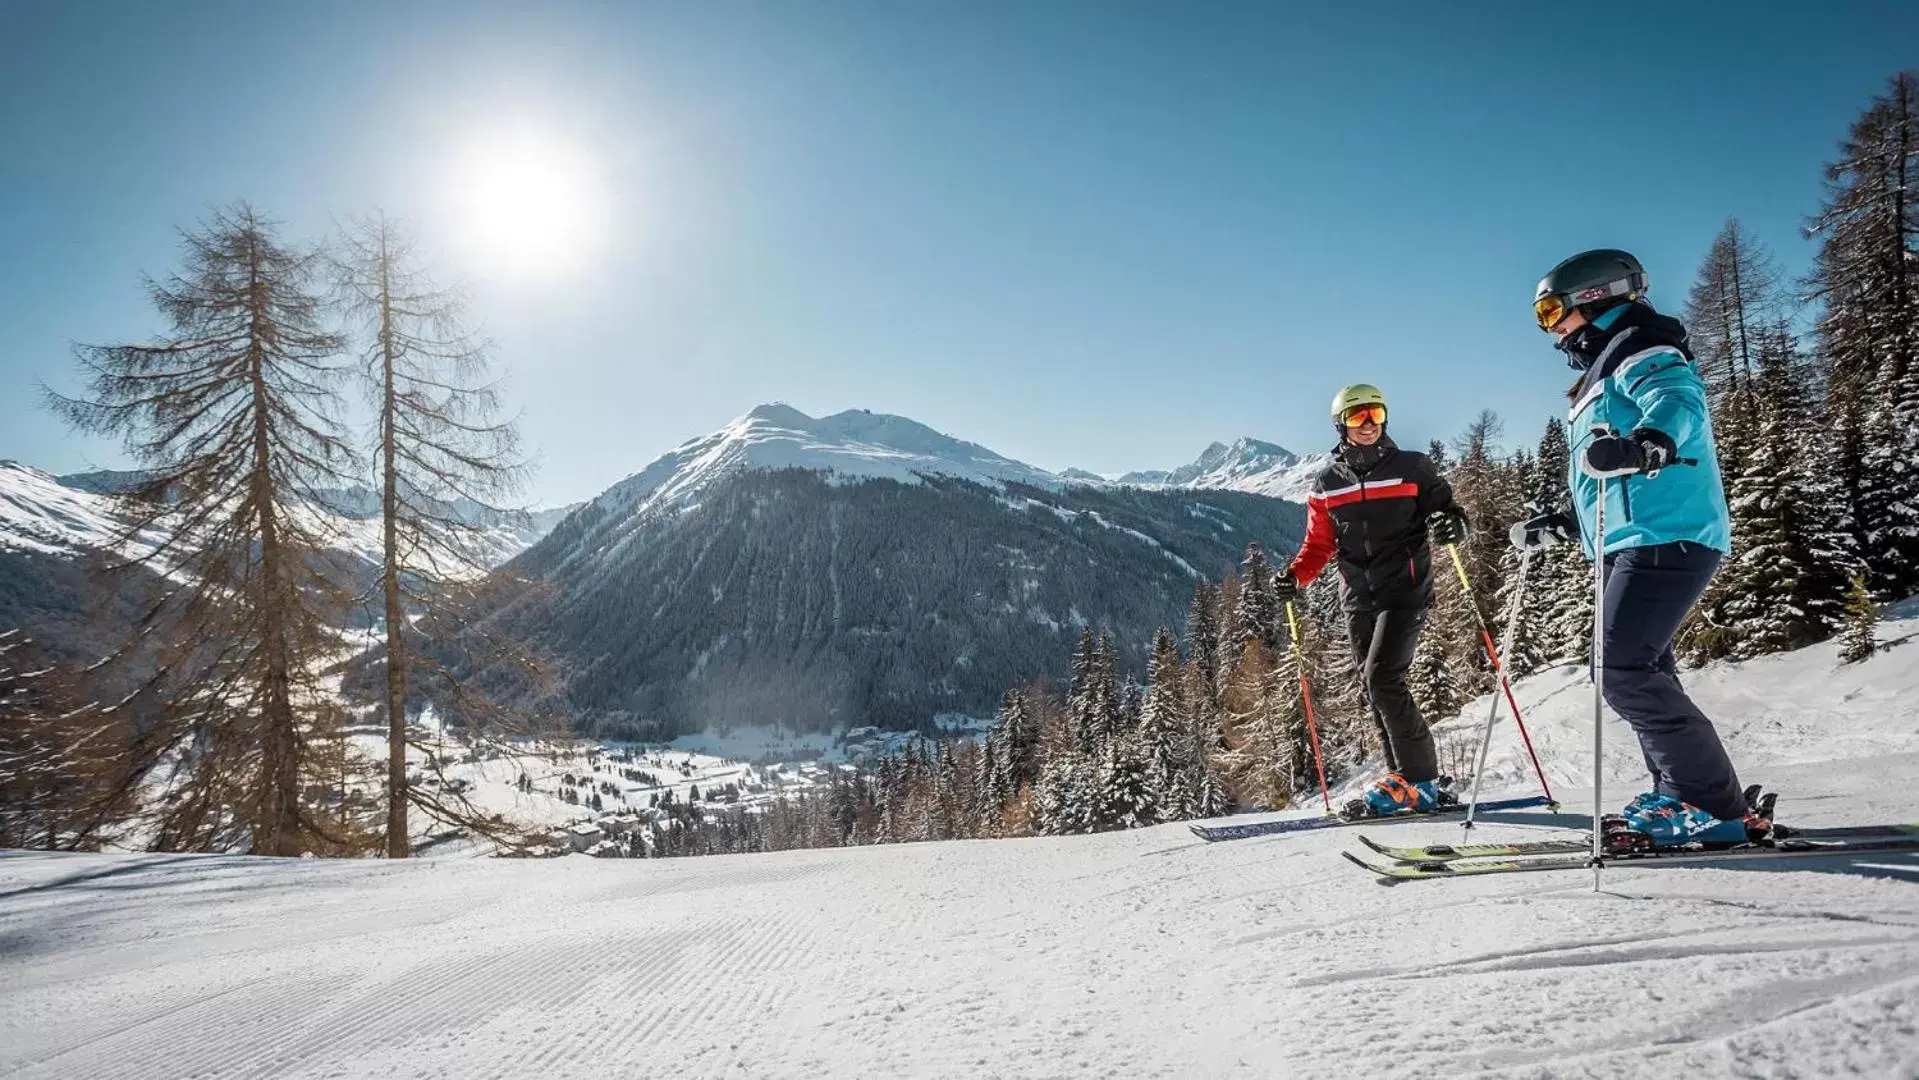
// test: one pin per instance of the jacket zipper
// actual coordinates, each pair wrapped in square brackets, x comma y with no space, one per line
[1625,495]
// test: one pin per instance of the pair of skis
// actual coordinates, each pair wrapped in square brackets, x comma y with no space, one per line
[1290,825]
[1414,863]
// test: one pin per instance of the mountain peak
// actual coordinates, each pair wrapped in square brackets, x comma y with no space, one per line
[853,444]
[1248,464]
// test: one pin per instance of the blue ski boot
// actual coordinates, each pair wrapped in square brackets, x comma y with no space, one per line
[1394,794]
[1654,821]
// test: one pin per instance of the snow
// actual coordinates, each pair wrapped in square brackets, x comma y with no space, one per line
[41,515]
[67,516]
[1249,465]
[852,445]
[1144,953]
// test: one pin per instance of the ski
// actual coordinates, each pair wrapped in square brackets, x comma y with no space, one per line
[1287,825]
[1432,853]
[1573,845]
[1415,871]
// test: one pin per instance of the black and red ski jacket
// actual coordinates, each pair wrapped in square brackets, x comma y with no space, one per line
[1374,519]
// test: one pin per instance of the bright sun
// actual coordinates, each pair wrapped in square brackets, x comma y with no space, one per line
[529,204]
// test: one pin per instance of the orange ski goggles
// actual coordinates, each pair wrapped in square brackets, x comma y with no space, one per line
[1361,415]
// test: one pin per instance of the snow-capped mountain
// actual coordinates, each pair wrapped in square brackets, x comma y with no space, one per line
[40,513]
[853,445]
[72,514]
[856,569]
[1249,465]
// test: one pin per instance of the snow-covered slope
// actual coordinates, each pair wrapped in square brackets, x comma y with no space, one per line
[1261,468]
[855,444]
[72,514]
[40,514]
[1143,953]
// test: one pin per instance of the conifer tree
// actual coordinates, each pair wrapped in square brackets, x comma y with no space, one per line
[1203,636]
[445,466]
[1867,274]
[230,416]
[1259,613]
[1862,623]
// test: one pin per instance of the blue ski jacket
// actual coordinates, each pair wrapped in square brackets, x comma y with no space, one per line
[1644,377]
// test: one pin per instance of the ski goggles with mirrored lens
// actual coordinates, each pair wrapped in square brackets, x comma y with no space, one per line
[1361,415]
[1550,310]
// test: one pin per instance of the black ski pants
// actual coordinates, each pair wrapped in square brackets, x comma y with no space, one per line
[1383,644]
[1649,590]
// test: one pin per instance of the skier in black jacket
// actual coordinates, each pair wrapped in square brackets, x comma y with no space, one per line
[1374,508]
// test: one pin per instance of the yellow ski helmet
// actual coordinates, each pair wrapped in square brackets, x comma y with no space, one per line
[1352,398]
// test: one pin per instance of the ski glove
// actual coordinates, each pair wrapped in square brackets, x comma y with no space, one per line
[1644,451]
[1286,587]
[1446,526]
[1543,529]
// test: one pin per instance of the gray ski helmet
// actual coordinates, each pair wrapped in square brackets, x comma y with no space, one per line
[1590,277]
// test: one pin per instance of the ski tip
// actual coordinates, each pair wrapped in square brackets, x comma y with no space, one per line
[1385,876]
[1371,843]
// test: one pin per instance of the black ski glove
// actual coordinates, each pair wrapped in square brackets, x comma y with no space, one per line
[1543,529]
[1644,451]
[1446,526]
[1286,587]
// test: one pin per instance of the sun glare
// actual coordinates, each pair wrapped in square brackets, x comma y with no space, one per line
[529,204]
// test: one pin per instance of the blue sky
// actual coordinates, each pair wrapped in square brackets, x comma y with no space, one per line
[1083,234]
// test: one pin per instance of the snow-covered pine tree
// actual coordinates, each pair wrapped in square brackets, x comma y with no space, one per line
[1867,273]
[1165,731]
[1063,801]
[1083,693]
[1203,635]
[1122,795]
[1791,573]
[1259,614]
[1210,795]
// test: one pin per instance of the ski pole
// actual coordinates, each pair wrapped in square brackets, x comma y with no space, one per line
[1492,712]
[1306,697]
[1599,677]
[1499,669]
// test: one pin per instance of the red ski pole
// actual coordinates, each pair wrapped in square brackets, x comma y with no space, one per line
[1499,669]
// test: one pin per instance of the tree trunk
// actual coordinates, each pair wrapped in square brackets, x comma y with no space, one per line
[398,843]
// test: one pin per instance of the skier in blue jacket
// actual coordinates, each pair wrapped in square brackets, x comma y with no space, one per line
[1639,419]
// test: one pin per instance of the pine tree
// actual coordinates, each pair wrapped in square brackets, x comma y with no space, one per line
[1166,734]
[1731,303]
[230,418]
[1790,575]
[1867,273]
[1537,640]
[441,456]
[1210,796]
[1259,614]
[1262,705]
[1084,698]
[1203,635]
[1064,798]
[1862,623]
[1123,795]
[58,760]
